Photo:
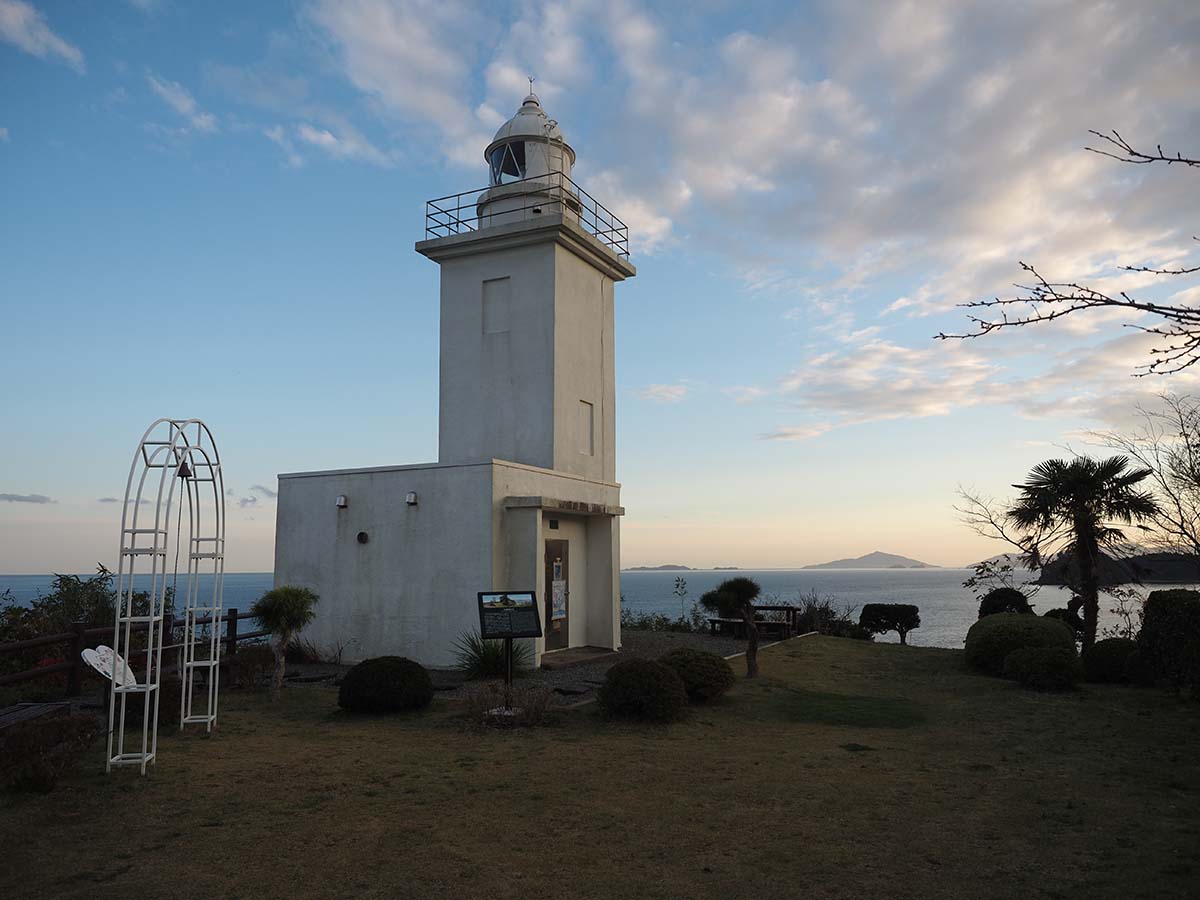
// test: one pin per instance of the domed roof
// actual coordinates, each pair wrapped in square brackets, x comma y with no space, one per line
[530,121]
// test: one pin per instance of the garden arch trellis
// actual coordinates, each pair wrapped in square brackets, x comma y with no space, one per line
[173,453]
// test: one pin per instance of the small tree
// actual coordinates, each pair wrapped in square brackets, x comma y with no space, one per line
[901,618]
[1004,600]
[734,598]
[284,611]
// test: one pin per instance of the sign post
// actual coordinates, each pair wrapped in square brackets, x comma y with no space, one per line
[506,615]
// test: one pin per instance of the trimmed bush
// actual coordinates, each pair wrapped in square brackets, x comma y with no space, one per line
[1043,668]
[878,618]
[35,754]
[1104,662]
[642,689]
[705,676]
[1067,617]
[992,638]
[1170,636]
[1138,669]
[251,666]
[385,684]
[1004,600]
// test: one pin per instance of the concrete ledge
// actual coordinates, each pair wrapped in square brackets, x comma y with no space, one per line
[549,228]
[573,507]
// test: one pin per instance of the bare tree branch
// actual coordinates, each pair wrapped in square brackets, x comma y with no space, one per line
[1128,154]
[1044,301]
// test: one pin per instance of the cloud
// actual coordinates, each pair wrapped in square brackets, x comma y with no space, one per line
[743,394]
[797,433]
[245,502]
[4,135]
[177,97]
[279,137]
[347,145]
[108,500]
[663,393]
[24,26]
[25,498]
[265,491]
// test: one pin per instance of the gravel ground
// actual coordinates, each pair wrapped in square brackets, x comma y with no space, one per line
[567,686]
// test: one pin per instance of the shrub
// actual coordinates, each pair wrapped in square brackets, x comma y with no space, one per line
[479,658]
[251,666]
[35,754]
[302,651]
[642,689]
[531,704]
[1067,617]
[993,637]
[1004,600]
[1170,636]
[1138,669]
[878,618]
[1043,668]
[1104,662]
[705,676]
[385,684]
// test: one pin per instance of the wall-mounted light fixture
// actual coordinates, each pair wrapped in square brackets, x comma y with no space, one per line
[411,498]
[341,502]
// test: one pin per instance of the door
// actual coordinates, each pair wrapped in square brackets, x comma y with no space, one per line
[558,595]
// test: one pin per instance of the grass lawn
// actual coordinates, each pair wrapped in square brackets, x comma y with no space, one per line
[847,770]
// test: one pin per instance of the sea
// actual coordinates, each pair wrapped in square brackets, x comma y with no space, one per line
[947,608]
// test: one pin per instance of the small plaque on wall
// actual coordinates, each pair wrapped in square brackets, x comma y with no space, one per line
[508,614]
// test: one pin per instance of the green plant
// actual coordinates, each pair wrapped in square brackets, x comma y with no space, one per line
[705,675]
[1077,503]
[302,651]
[1104,661]
[992,638]
[385,684]
[734,598]
[170,697]
[1068,618]
[1138,670]
[1004,600]
[1170,636]
[251,666]
[1044,668]
[283,611]
[879,618]
[642,689]
[35,754]
[479,658]
[531,705]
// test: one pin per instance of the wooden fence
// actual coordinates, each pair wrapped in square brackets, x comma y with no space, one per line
[77,638]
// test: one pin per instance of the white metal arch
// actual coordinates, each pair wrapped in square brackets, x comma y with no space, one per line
[181,452]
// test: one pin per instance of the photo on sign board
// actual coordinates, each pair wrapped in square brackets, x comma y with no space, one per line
[508,600]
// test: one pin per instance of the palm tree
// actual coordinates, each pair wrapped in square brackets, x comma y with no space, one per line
[735,597]
[283,611]
[1082,501]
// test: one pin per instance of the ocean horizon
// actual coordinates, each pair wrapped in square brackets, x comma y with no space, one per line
[947,608]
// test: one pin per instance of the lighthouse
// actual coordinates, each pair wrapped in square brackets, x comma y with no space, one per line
[524,495]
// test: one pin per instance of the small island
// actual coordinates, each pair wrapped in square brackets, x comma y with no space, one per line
[874,560]
[666,568]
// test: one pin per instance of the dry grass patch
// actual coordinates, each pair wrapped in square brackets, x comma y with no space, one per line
[848,770]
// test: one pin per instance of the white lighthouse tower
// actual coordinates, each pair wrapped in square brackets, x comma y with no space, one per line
[524,493]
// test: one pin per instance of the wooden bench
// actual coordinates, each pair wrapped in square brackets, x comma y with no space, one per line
[766,627]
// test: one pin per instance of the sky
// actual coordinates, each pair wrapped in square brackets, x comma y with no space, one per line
[208,210]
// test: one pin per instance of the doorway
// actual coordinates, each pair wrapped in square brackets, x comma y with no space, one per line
[558,595]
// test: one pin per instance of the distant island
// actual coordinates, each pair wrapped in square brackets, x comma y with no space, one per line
[875,560]
[659,569]
[726,568]
[1147,568]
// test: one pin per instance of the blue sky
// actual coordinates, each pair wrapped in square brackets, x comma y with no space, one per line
[209,210]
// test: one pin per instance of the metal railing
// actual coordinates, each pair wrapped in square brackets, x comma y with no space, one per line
[458,213]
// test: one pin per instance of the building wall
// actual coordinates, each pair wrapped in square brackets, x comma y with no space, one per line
[497,365]
[583,348]
[411,589]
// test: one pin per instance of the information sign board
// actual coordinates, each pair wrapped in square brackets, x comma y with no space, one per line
[508,614]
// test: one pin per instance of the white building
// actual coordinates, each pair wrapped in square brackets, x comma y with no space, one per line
[524,491]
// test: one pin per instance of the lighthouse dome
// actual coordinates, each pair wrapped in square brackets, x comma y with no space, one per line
[528,145]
